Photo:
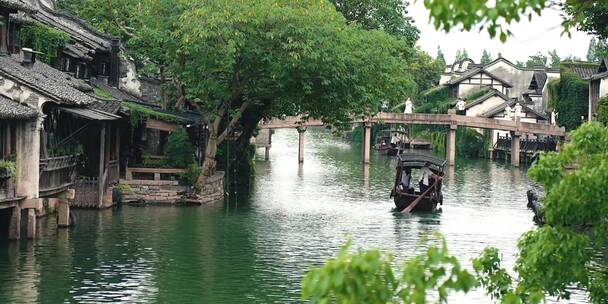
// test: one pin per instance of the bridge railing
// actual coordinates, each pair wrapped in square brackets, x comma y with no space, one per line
[431,119]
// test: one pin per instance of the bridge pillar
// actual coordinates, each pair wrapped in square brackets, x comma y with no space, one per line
[451,145]
[367,142]
[266,153]
[515,148]
[14,228]
[31,223]
[301,131]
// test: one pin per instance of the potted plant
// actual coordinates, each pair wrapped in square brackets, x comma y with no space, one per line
[8,169]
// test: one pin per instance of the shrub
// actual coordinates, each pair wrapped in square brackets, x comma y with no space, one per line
[190,177]
[179,151]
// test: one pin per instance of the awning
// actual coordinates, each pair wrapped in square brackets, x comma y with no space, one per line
[90,114]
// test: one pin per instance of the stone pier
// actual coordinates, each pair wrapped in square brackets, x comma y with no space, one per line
[515,148]
[14,228]
[451,145]
[367,142]
[301,131]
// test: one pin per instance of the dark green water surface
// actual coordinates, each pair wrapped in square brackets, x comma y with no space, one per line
[256,248]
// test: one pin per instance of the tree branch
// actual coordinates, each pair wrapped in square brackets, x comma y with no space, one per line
[233,122]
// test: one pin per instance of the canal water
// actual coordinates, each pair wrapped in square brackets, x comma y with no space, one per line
[255,248]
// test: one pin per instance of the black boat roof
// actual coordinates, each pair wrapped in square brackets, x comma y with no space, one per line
[415,160]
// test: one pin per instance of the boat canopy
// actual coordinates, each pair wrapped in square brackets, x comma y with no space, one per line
[414,160]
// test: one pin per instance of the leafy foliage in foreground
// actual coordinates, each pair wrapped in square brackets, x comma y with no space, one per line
[368,277]
[569,251]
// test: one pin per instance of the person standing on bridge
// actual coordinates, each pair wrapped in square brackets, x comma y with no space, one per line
[409,107]
[518,110]
[461,107]
[508,112]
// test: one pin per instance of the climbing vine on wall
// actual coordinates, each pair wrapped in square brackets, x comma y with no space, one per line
[44,39]
[602,110]
[571,101]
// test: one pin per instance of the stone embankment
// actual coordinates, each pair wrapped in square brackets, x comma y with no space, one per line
[535,196]
[171,192]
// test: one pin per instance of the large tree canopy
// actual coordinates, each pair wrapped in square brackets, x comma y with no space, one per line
[388,15]
[270,58]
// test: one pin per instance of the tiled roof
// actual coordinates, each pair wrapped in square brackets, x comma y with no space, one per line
[473,72]
[12,110]
[540,77]
[83,37]
[491,93]
[18,5]
[501,108]
[56,85]
[582,69]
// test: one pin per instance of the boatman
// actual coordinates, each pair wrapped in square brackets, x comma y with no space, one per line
[427,175]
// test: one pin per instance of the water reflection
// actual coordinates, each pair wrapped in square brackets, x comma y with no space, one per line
[256,247]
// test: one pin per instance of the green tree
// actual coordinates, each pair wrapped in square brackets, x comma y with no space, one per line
[115,17]
[461,55]
[424,70]
[388,15]
[598,49]
[555,59]
[241,61]
[537,60]
[485,57]
[440,57]
[368,277]
[569,250]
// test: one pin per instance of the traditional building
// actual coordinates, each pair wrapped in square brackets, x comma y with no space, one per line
[49,151]
[527,85]
[598,87]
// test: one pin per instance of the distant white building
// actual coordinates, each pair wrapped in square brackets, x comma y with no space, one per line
[598,87]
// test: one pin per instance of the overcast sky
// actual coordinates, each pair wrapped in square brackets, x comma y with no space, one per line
[542,34]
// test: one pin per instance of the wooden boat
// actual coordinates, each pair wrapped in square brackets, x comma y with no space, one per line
[383,142]
[424,202]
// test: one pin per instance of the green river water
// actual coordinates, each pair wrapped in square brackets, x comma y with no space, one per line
[255,248]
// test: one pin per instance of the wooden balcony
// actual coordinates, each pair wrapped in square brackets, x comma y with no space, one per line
[57,174]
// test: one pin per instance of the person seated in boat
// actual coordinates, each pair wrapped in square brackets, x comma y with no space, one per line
[406,180]
[394,141]
[427,177]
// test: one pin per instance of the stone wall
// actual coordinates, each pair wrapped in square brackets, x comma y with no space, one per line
[213,190]
[152,191]
[170,192]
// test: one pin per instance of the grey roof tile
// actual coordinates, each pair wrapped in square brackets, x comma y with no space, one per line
[11,110]
[18,5]
[56,85]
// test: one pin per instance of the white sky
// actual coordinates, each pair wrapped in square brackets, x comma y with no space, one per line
[542,34]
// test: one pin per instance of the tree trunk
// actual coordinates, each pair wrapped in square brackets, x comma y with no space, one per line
[210,163]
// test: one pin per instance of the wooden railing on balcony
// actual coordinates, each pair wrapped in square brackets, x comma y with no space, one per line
[526,145]
[56,174]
